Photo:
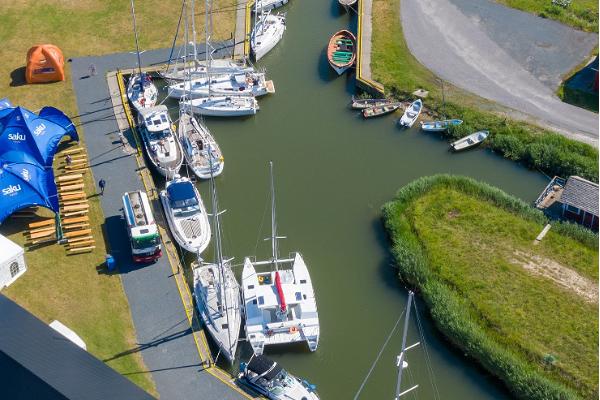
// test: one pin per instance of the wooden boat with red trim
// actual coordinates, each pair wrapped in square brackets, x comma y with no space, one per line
[341,51]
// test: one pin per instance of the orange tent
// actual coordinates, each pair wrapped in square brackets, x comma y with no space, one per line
[45,63]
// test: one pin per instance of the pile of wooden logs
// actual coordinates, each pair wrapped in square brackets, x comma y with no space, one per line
[74,208]
[41,231]
[74,161]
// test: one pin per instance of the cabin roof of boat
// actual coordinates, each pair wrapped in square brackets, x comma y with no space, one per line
[156,118]
[180,191]
[263,365]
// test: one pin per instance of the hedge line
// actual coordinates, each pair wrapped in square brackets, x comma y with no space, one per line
[446,307]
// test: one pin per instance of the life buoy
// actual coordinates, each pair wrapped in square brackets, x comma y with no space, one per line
[261,279]
[293,329]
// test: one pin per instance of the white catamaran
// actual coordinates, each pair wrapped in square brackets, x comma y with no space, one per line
[186,214]
[280,304]
[159,140]
[141,91]
[213,104]
[217,292]
[267,32]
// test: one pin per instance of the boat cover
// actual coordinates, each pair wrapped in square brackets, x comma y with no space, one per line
[262,365]
[182,194]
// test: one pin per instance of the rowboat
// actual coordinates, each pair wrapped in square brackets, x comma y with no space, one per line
[361,104]
[380,110]
[341,51]
[439,126]
[470,141]
[411,114]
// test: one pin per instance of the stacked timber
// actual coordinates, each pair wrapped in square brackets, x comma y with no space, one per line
[42,231]
[74,161]
[74,209]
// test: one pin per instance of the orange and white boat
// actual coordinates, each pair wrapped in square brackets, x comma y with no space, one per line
[341,51]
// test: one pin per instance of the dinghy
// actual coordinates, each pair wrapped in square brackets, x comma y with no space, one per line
[217,292]
[411,114]
[160,143]
[141,91]
[377,111]
[267,5]
[186,214]
[439,126]
[222,106]
[280,304]
[469,141]
[272,381]
[245,84]
[341,51]
[361,104]
[200,150]
[267,32]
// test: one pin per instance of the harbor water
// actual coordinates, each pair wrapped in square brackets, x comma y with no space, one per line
[333,172]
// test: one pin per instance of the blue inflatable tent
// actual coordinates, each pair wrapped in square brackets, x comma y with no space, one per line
[24,185]
[30,138]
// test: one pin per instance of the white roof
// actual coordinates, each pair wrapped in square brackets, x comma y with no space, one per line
[8,249]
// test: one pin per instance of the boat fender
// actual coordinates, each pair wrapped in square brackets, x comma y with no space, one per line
[293,329]
[261,279]
[270,332]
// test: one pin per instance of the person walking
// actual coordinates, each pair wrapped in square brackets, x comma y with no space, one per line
[92,70]
[68,159]
[102,185]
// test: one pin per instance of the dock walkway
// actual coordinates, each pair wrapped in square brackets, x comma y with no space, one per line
[168,337]
[364,36]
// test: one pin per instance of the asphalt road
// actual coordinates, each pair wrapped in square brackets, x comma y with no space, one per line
[513,58]
[164,336]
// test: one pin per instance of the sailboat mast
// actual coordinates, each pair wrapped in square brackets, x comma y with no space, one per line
[403,348]
[194,48]
[137,47]
[185,53]
[207,35]
[273,221]
[219,248]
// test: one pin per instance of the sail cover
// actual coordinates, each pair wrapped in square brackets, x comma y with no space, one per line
[24,185]
[30,138]
[262,365]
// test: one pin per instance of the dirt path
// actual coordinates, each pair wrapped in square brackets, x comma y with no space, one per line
[488,49]
[558,273]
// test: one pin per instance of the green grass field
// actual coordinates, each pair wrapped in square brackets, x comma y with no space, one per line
[57,286]
[535,303]
[580,14]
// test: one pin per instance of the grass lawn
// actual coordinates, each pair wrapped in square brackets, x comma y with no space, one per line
[481,252]
[580,14]
[69,288]
[394,66]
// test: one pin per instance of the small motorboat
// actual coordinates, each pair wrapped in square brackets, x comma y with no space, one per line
[162,147]
[411,114]
[377,111]
[341,51]
[266,5]
[141,91]
[272,381]
[361,104]
[186,214]
[267,32]
[439,126]
[469,141]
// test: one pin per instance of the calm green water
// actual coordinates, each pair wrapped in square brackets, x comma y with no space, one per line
[333,171]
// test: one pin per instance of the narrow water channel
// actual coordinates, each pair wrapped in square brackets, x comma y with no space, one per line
[333,172]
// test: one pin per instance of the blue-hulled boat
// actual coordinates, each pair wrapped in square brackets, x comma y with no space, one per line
[439,126]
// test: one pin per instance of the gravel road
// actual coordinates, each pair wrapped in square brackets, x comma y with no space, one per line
[504,55]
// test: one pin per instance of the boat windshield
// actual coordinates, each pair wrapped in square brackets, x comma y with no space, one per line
[182,197]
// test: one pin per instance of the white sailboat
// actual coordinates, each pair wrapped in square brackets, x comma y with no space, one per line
[280,305]
[199,69]
[234,84]
[141,91]
[200,150]
[186,214]
[266,5]
[162,148]
[267,32]
[217,293]
[217,105]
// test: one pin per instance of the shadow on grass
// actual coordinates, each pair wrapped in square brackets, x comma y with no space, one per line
[17,77]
